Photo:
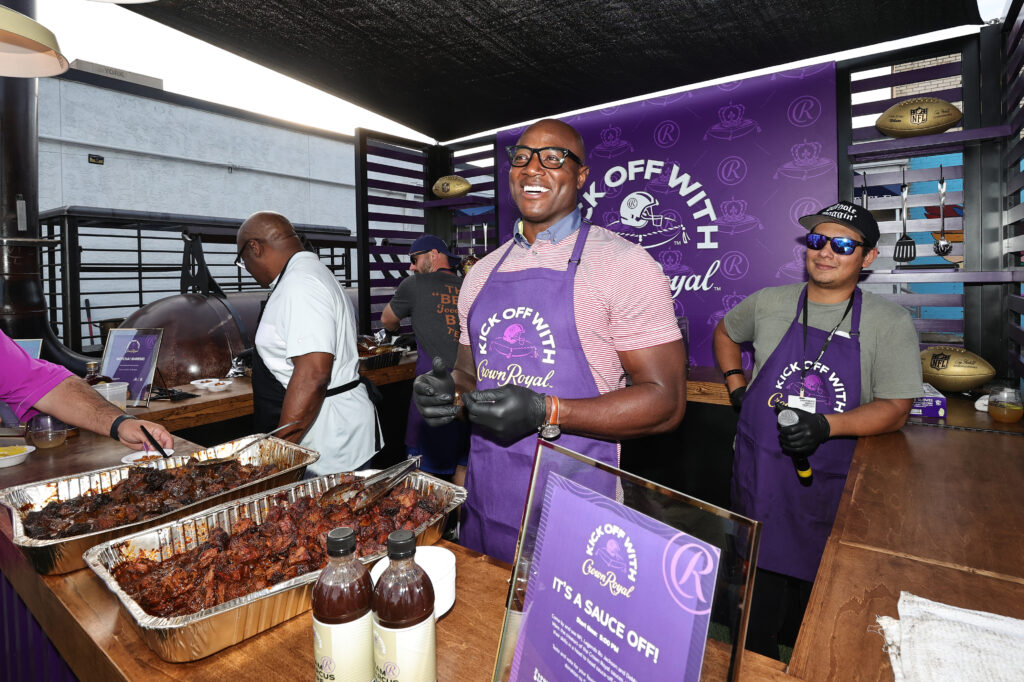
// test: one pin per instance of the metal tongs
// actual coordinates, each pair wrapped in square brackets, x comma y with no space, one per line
[365,492]
[941,246]
[234,455]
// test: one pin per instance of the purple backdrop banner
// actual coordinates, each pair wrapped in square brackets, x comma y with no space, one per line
[711,182]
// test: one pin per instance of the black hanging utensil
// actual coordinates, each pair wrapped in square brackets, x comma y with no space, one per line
[906,249]
[941,246]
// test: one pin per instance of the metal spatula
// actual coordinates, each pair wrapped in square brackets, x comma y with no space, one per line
[941,246]
[906,249]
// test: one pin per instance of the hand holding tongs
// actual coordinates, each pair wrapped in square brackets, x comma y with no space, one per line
[941,246]
[367,491]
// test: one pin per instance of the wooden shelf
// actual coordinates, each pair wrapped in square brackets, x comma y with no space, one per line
[913,146]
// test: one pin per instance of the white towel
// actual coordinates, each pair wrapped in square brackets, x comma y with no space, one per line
[934,642]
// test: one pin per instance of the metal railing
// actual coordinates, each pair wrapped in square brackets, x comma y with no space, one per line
[108,263]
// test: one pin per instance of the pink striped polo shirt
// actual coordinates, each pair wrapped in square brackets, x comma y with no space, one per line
[622,299]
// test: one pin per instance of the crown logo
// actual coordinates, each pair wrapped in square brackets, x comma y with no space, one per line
[731,115]
[805,153]
[610,135]
[734,209]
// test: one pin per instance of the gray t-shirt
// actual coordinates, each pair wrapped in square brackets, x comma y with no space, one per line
[890,358]
[432,300]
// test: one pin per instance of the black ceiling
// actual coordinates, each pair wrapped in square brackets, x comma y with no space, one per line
[450,69]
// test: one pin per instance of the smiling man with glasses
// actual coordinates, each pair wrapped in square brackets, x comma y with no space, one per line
[551,322]
[847,364]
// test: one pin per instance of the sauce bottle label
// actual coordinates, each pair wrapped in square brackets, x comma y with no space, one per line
[405,654]
[344,652]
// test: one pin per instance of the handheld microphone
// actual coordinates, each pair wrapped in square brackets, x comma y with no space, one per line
[800,463]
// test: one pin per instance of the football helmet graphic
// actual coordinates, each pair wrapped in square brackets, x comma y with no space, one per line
[637,210]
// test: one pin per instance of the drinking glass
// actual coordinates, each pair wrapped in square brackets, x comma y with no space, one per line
[45,431]
[1004,404]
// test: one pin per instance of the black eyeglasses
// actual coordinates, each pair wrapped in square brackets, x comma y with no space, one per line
[238,258]
[842,246]
[550,157]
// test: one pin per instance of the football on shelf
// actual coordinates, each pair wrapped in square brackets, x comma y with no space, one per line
[951,368]
[451,187]
[918,116]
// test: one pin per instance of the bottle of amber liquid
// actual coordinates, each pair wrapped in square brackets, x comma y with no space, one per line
[93,376]
[404,648]
[342,620]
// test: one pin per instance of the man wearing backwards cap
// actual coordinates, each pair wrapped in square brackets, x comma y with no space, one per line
[431,298]
[848,364]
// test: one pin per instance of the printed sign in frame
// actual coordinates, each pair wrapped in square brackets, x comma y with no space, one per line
[605,592]
[130,355]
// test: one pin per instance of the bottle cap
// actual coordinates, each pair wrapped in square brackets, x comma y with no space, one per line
[92,364]
[341,541]
[401,544]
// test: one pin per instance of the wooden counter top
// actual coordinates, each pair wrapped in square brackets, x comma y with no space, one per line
[206,408]
[236,401]
[935,512]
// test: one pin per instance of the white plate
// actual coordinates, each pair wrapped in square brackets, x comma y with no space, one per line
[203,383]
[12,460]
[133,457]
[439,563]
[218,386]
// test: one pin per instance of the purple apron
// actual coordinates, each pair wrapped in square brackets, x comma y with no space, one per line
[797,520]
[522,327]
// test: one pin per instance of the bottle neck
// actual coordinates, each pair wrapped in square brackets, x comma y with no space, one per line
[343,560]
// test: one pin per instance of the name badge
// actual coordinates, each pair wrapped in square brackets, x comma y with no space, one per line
[802,403]
[845,335]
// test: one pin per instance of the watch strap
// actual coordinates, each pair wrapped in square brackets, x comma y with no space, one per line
[730,372]
[117,424]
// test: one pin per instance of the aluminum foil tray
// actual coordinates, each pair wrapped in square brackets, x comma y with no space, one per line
[62,555]
[189,638]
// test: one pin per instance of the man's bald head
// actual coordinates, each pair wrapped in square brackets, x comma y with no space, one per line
[267,226]
[569,136]
[265,241]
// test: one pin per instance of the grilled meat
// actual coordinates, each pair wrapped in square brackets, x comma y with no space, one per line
[291,541]
[144,494]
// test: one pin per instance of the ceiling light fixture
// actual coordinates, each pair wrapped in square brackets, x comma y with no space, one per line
[27,48]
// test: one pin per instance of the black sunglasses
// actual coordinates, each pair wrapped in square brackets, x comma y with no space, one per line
[238,258]
[550,157]
[842,246]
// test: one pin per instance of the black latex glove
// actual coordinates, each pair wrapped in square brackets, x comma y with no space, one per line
[510,412]
[434,393]
[804,437]
[736,397]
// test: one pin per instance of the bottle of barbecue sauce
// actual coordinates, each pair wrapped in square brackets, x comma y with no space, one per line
[404,647]
[342,621]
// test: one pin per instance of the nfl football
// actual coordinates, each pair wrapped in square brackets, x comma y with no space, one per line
[451,187]
[918,116]
[950,368]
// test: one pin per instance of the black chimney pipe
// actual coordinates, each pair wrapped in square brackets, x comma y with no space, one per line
[22,304]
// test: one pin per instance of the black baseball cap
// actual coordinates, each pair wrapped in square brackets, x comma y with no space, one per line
[847,214]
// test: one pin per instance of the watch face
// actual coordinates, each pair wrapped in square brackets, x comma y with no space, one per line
[550,431]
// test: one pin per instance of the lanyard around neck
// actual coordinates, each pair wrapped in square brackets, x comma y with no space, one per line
[824,346]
